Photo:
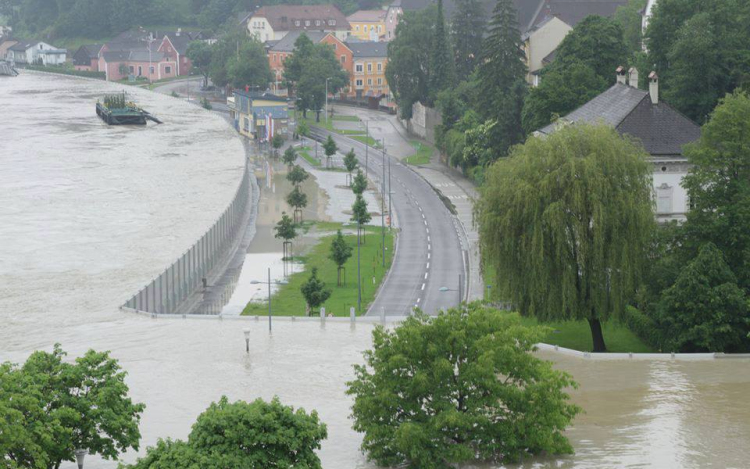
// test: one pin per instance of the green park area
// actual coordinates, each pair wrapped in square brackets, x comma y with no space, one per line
[304,152]
[422,155]
[288,299]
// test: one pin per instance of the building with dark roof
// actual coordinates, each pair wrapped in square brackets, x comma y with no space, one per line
[139,63]
[259,116]
[273,22]
[370,61]
[662,130]
[87,57]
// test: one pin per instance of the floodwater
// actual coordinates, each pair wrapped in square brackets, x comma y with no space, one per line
[89,213]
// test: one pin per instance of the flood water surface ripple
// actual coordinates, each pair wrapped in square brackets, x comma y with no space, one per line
[90,213]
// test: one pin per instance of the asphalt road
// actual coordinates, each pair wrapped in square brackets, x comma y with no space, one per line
[430,255]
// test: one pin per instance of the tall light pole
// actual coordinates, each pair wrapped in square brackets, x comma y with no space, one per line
[367,145]
[382,210]
[327,99]
[390,193]
[256,282]
[359,273]
[247,339]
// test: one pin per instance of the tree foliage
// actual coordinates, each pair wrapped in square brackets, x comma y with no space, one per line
[442,68]
[630,20]
[285,229]
[408,68]
[50,408]
[200,54]
[290,156]
[298,200]
[713,37]
[360,215]
[461,387]
[565,223]
[350,161]
[250,66]
[705,310]
[315,291]
[297,175]
[359,184]
[255,435]
[719,186]
[468,25]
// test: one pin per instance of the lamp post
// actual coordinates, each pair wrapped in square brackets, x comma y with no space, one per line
[359,272]
[256,282]
[80,454]
[247,339]
[150,66]
[327,99]
[367,146]
[382,209]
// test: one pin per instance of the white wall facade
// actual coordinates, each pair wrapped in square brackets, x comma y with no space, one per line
[541,43]
[261,29]
[49,55]
[670,197]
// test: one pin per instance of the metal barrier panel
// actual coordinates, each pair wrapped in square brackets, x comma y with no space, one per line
[166,293]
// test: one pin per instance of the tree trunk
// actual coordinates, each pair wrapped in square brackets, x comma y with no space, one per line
[597,336]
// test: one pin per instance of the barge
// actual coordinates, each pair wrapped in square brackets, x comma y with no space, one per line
[115,109]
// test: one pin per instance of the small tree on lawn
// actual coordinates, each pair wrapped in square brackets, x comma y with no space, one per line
[258,434]
[350,162]
[315,291]
[297,175]
[359,184]
[462,387]
[290,156]
[705,310]
[298,200]
[286,230]
[340,253]
[330,149]
[360,215]
[276,142]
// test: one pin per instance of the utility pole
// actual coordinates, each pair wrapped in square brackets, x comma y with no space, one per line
[382,210]
[359,273]
[367,145]
[390,192]
[269,299]
[327,100]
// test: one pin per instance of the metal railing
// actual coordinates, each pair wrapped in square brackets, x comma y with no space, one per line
[168,291]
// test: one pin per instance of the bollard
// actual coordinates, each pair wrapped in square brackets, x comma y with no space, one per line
[382,316]
[322,315]
[352,314]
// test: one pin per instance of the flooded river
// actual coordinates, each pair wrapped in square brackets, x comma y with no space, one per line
[89,213]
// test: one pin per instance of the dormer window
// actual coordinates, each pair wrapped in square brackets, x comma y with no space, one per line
[307,22]
[297,23]
[317,22]
[331,22]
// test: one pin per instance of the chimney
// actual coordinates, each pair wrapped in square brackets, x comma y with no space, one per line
[179,31]
[653,87]
[621,75]
[633,72]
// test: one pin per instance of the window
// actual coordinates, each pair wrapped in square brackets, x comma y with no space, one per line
[246,124]
[151,70]
[307,22]
[359,82]
[317,22]
[343,59]
[369,67]
[296,23]
[140,71]
[380,81]
[380,66]
[358,68]
[331,22]
[274,58]
[369,82]
[664,199]
[168,70]
[132,69]
[356,28]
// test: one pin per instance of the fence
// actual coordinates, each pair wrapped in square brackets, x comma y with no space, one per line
[169,291]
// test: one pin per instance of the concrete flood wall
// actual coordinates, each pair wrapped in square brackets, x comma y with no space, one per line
[423,122]
[174,290]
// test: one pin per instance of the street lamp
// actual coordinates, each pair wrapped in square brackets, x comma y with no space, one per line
[382,210]
[80,454]
[359,271]
[247,339]
[327,99]
[256,282]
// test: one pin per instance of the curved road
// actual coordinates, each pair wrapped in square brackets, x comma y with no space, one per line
[430,254]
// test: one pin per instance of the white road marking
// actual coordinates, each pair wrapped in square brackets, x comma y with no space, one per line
[425,275]
[428,265]
[423,286]
[429,247]
[428,239]
[428,230]
[423,215]
[425,223]
[428,255]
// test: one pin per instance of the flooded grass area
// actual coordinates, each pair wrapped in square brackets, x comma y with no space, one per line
[288,299]
[423,153]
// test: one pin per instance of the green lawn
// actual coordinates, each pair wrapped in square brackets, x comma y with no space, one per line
[423,153]
[304,152]
[288,300]
[346,118]
[366,140]
[351,132]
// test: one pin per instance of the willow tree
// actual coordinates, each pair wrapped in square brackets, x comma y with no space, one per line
[565,222]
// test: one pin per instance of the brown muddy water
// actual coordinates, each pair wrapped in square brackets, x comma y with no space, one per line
[90,213]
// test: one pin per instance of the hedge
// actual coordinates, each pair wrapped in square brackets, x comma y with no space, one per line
[643,326]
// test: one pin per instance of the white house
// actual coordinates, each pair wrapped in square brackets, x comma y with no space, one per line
[36,52]
[541,41]
[273,22]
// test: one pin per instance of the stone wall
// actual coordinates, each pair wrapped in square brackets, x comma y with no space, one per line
[423,122]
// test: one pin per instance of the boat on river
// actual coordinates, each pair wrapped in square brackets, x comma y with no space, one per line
[115,109]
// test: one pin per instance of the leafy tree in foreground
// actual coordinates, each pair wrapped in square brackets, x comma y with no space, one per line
[719,186]
[298,200]
[249,67]
[340,253]
[330,149]
[361,215]
[458,388]
[277,142]
[50,409]
[297,175]
[350,162]
[705,310]
[289,157]
[256,435]
[315,291]
[565,224]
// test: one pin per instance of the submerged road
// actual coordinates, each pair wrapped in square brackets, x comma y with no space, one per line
[430,253]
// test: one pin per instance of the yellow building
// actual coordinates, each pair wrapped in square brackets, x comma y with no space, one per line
[370,61]
[368,25]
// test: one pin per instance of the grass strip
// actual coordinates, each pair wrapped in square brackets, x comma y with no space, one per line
[346,118]
[423,153]
[304,152]
[288,299]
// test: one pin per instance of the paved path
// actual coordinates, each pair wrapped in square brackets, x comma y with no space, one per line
[430,253]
